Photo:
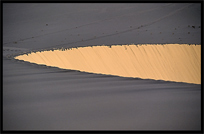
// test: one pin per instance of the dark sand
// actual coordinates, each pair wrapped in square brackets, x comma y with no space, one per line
[45,98]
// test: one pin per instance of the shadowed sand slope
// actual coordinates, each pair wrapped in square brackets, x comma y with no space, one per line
[169,62]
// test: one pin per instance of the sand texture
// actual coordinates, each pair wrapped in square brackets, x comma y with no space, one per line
[169,62]
[90,85]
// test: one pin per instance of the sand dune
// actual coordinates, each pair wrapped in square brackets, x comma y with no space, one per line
[36,97]
[170,62]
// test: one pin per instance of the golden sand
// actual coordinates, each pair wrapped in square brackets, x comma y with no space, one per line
[169,62]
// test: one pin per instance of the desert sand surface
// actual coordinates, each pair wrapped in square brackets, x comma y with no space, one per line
[169,62]
[40,97]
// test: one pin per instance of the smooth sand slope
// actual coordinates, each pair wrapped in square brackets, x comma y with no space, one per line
[170,62]
[40,97]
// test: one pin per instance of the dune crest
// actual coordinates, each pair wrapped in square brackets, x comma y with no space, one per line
[169,62]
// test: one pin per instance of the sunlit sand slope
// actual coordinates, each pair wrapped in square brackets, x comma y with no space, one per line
[169,62]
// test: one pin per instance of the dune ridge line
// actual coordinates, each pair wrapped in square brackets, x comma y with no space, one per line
[169,62]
